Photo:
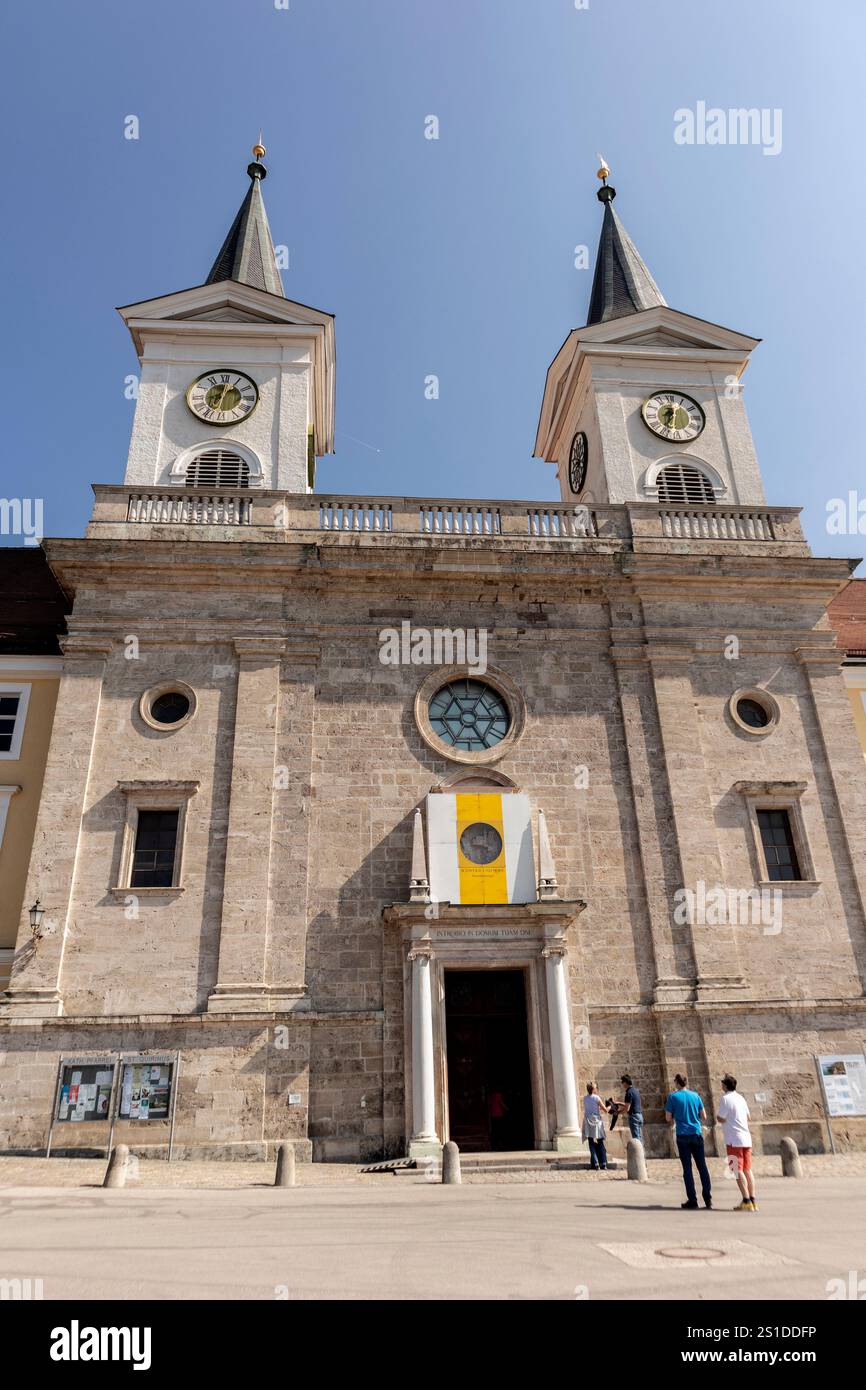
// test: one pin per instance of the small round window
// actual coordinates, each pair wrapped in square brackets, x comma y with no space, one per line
[753,714]
[754,711]
[167,706]
[469,715]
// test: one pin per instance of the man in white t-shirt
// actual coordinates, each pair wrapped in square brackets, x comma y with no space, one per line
[733,1112]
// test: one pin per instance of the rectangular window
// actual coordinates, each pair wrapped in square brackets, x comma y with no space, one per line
[8,717]
[780,851]
[155,849]
[13,712]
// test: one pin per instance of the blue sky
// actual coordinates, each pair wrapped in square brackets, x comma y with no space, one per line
[453,257]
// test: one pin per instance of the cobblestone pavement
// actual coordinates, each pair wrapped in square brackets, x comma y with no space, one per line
[151,1173]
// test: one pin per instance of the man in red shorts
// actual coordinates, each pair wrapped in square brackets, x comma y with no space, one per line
[733,1112]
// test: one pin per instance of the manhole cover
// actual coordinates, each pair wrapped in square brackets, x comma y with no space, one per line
[690,1252]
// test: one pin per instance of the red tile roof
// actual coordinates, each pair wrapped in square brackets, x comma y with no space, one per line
[847,614]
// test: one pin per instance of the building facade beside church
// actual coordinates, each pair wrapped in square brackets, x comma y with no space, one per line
[370,822]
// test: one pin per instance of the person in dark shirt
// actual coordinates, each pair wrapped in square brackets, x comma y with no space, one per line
[631,1102]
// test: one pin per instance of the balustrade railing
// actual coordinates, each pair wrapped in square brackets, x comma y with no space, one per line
[638,525]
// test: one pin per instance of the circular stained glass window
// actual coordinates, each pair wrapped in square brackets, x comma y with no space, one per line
[469,715]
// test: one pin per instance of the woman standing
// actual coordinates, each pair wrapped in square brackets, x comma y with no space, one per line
[594,1110]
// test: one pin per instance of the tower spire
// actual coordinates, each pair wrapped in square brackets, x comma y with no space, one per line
[247,254]
[622,284]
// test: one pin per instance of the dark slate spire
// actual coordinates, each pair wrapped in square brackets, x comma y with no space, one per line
[622,283]
[247,253]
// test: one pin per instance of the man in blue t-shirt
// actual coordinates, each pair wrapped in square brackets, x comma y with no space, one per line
[686,1109]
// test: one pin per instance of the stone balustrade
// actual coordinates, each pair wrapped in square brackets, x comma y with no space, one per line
[175,513]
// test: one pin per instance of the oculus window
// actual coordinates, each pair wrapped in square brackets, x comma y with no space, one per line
[469,715]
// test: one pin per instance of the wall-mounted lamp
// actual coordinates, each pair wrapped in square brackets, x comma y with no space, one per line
[37,912]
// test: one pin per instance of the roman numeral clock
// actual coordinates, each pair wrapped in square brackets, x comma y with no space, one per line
[671,415]
[223,397]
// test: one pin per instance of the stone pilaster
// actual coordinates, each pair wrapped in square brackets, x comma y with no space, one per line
[671,945]
[291,850]
[35,986]
[243,985]
[847,777]
[714,946]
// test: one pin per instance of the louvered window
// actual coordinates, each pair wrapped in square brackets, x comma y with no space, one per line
[681,484]
[218,468]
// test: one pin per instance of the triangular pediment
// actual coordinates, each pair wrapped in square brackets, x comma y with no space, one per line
[661,338]
[663,327]
[225,313]
[225,301]
[658,333]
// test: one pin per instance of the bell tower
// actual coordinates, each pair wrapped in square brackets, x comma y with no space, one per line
[237,381]
[644,403]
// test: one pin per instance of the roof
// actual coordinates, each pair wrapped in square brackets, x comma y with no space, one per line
[622,284]
[33,606]
[247,254]
[847,613]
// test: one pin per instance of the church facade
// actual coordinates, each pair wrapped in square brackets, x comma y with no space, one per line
[388,820]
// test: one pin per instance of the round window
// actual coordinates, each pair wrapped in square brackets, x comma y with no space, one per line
[753,714]
[167,706]
[469,715]
[754,711]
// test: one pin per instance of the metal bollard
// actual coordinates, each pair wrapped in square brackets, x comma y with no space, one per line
[451,1163]
[285,1174]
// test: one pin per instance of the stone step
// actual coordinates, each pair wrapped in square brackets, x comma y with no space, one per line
[505,1163]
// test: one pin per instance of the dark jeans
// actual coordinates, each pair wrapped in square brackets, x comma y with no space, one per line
[691,1146]
[597,1153]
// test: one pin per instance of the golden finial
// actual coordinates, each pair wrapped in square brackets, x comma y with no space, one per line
[259,150]
[603,171]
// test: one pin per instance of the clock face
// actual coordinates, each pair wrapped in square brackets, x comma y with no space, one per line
[577,461]
[222,397]
[480,843]
[671,415]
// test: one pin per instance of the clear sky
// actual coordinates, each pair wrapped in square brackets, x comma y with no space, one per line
[452,257]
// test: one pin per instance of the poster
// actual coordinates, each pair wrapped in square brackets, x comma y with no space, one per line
[145,1092]
[85,1091]
[843,1077]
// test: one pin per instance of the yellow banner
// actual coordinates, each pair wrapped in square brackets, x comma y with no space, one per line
[481,848]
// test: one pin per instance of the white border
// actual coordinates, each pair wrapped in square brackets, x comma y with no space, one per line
[21,689]
[6,795]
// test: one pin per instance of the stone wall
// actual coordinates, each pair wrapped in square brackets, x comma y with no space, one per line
[627,747]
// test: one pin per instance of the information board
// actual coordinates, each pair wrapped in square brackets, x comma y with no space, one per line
[145,1089]
[843,1077]
[84,1092]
